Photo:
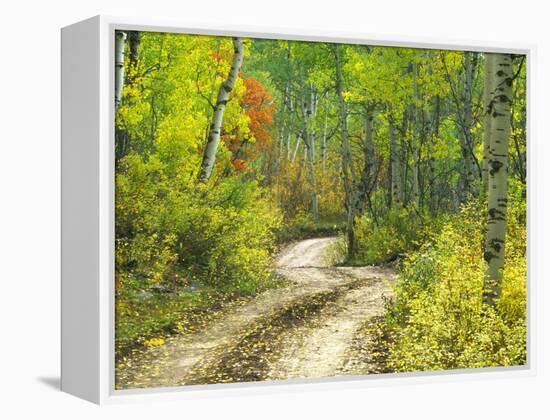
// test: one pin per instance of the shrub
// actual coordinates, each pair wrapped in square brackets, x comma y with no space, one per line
[173,234]
[386,238]
[302,226]
[437,317]
[292,191]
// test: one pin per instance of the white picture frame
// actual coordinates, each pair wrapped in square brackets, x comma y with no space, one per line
[88,212]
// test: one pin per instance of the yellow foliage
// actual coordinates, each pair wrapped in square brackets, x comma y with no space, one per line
[154,342]
[438,319]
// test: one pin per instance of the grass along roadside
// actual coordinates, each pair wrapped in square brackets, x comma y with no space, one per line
[147,318]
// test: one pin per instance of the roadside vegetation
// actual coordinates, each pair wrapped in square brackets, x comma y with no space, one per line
[228,148]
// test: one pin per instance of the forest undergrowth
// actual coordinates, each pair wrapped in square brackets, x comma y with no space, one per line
[226,149]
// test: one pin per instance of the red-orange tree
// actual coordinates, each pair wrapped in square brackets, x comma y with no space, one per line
[259,106]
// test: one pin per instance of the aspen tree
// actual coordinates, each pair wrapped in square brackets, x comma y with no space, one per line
[501,99]
[133,41]
[469,171]
[487,118]
[366,182]
[309,110]
[213,140]
[120,41]
[347,169]
[324,136]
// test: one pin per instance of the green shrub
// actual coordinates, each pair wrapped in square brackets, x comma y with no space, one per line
[302,226]
[437,317]
[172,234]
[386,238]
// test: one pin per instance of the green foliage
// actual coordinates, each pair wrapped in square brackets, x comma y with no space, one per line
[175,237]
[399,232]
[143,315]
[291,190]
[302,226]
[437,318]
[184,247]
[173,234]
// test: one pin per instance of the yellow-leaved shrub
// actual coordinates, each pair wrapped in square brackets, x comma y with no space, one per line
[437,319]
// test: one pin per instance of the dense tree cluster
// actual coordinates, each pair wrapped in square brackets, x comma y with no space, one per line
[224,146]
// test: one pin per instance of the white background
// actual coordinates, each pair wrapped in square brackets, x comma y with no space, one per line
[29,209]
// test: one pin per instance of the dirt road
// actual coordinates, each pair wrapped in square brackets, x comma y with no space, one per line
[313,327]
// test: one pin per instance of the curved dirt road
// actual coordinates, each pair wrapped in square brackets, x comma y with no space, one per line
[307,253]
[309,328]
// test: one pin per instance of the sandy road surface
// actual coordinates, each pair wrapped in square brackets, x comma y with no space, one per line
[305,329]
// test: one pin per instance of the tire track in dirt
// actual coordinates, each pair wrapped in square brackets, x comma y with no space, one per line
[323,348]
[302,329]
[171,363]
[252,356]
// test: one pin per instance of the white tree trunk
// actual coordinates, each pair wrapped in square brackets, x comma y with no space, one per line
[290,127]
[366,184]
[312,177]
[304,154]
[209,156]
[347,168]
[308,135]
[288,142]
[283,127]
[120,40]
[501,100]
[296,148]
[324,139]
[487,117]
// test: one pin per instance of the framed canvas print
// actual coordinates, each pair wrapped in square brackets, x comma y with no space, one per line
[244,208]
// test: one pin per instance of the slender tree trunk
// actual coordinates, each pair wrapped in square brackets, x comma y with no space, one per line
[469,170]
[289,130]
[416,141]
[434,138]
[308,136]
[468,119]
[120,40]
[296,148]
[416,178]
[288,142]
[286,112]
[313,179]
[324,139]
[133,40]
[290,103]
[280,153]
[347,170]
[366,182]
[396,167]
[121,135]
[404,156]
[518,137]
[501,100]
[304,153]
[209,156]
[282,127]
